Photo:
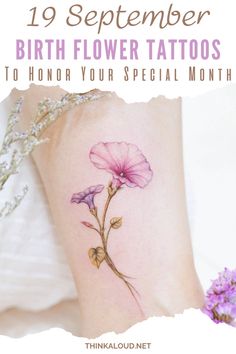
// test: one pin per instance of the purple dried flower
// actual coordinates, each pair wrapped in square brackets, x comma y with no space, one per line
[234,276]
[220,301]
[87,196]
[209,313]
[226,312]
[219,286]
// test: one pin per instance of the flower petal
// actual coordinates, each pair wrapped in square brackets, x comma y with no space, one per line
[87,196]
[124,161]
[101,157]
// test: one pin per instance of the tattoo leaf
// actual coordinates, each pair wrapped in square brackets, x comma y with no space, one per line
[116,222]
[96,256]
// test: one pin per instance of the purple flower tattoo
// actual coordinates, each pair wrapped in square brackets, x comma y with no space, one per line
[128,167]
[87,196]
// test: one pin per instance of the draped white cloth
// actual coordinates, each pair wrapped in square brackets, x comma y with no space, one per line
[34,274]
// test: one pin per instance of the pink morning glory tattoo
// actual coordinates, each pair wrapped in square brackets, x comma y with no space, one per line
[128,168]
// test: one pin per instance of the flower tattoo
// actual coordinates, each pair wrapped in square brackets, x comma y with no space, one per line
[87,196]
[124,161]
[128,167]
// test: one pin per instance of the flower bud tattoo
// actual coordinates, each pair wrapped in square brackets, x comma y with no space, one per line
[128,168]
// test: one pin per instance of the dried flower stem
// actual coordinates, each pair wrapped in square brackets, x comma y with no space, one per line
[16,146]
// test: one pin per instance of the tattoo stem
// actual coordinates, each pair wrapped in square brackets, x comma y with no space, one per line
[110,196]
[104,238]
[108,232]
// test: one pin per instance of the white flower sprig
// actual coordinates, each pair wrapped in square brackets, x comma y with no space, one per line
[18,145]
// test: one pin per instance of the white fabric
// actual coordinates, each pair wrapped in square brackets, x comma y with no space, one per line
[34,274]
[33,270]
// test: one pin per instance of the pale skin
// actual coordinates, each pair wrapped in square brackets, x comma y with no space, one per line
[153,246]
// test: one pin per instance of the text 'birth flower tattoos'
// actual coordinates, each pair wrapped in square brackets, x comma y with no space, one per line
[128,167]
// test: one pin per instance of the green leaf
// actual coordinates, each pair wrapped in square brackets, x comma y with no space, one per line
[116,222]
[96,256]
